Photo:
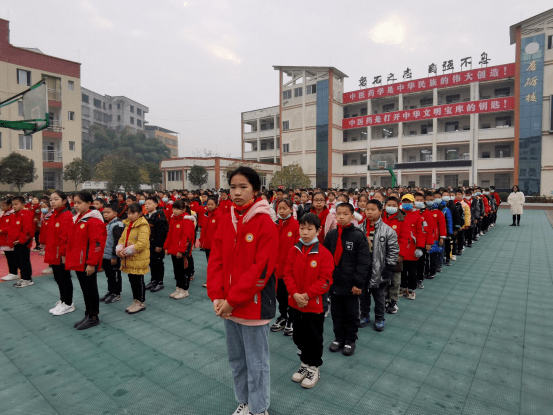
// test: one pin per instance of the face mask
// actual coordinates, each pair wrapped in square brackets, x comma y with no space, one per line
[313,241]
[446,198]
[491,191]
[141,202]
[371,194]
[391,210]
[419,205]
[44,211]
[486,193]
[165,199]
[407,206]
[284,218]
[30,200]
[478,193]
[438,201]
[429,203]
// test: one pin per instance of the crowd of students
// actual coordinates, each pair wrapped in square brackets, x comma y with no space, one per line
[313,252]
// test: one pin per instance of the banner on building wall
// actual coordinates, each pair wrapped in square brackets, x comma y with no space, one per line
[441,81]
[440,111]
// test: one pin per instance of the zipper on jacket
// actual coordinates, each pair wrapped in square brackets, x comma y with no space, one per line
[81,259]
[317,299]
[255,299]
[57,252]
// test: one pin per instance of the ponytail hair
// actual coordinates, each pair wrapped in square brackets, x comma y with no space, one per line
[63,196]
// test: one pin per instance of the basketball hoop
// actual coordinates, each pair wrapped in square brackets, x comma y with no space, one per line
[381,167]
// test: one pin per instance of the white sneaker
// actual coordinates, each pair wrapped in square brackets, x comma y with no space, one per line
[481,233]
[454,257]
[64,309]
[47,271]
[10,277]
[56,307]
[313,376]
[243,409]
[23,283]
[301,373]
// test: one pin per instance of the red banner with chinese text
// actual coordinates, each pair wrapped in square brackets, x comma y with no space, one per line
[441,81]
[440,111]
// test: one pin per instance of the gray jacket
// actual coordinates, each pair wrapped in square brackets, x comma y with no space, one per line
[114,230]
[385,252]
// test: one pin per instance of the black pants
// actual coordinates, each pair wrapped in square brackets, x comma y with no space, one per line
[447,246]
[65,285]
[22,255]
[517,218]
[379,295]
[435,262]
[182,277]
[494,217]
[460,241]
[37,235]
[113,274]
[345,317]
[138,288]
[409,274]
[423,265]
[157,268]
[89,286]
[207,252]
[485,223]
[469,235]
[308,336]
[282,297]
[12,262]
[190,269]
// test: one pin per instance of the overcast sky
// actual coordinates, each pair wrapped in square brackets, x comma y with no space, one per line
[198,64]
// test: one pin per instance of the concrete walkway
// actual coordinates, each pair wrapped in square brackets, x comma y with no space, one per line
[477,340]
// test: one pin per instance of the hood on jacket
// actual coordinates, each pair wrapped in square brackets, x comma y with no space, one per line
[92,214]
[259,208]
[140,221]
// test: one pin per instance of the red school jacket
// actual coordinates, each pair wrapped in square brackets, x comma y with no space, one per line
[439,218]
[308,270]
[209,225]
[180,236]
[242,263]
[57,234]
[411,235]
[5,222]
[86,242]
[430,226]
[224,206]
[22,228]
[288,235]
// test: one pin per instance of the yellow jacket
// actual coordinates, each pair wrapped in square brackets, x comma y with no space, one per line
[467,214]
[139,237]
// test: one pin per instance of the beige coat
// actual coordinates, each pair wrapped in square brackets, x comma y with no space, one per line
[516,200]
[139,241]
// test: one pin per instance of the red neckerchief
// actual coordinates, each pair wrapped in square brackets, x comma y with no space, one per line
[240,212]
[322,217]
[339,247]
[128,233]
[306,249]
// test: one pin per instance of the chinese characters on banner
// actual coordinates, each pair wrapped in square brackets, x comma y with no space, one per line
[440,111]
[441,81]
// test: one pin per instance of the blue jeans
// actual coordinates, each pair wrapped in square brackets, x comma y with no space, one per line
[248,355]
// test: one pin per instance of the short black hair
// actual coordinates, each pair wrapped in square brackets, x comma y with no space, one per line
[310,219]
[250,174]
[135,208]
[112,206]
[214,198]
[376,202]
[392,199]
[153,199]
[348,205]
[20,199]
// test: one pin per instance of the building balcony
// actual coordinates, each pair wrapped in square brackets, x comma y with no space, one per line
[251,135]
[357,169]
[417,140]
[453,136]
[384,142]
[268,133]
[504,163]
[54,98]
[352,145]
[52,156]
[53,130]
[496,133]
[440,164]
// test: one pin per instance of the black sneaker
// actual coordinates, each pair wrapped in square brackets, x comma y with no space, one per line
[364,321]
[279,324]
[105,297]
[448,262]
[113,299]
[288,328]
[392,308]
[335,346]
[349,348]
[150,285]
[88,323]
[439,269]
[158,287]
[431,277]
[420,285]
[78,323]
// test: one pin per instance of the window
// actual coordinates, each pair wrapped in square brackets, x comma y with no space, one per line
[25,142]
[298,92]
[285,125]
[486,126]
[426,155]
[503,180]
[70,85]
[363,136]
[118,106]
[98,116]
[85,111]
[97,103]
[412,159]
[71,146]
[486,155]
[502,92]
[451,126]
[132,120]
[263,145]
[132,108]
[286,148]
[425,181]
[86,123]
[387,132]
[426,102]
[354,163]
[71,115]
[23,77]
[119,118]
[109,106]
[363,160]
[388,107]
[451,153]
[174,176]
[364,111]
[427,128]
[85,98]
[503,151]
[345,159]
[550,42]
[501,122]
[451,180]
[107,118]
[139,123]
[451,99]
[138,111]
[104,105]
[311,89]
[20,109]
[287,94]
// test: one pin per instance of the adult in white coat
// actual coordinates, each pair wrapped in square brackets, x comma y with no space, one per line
[516,199]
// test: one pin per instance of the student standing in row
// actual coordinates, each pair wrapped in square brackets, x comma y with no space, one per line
[20,238]
[5,222]
[158,234]
[209,224]
[111,263]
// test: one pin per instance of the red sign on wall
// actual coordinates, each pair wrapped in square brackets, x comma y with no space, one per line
[440,111]
[441,81]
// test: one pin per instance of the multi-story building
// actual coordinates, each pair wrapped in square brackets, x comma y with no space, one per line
[60,143]
[111,112]
[485,125]
[167,137]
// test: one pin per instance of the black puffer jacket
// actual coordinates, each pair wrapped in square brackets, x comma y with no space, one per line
[158,228]
[303,210]
[354,266]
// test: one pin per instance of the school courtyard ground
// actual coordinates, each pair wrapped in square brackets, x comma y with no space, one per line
[477,340]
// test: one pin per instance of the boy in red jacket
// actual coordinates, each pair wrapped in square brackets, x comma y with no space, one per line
[394,217]
[430,227]
[224,203]
[308,275]
[20,237]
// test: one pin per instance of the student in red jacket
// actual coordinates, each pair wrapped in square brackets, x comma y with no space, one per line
[394,217]
[20,238]
[430,227]
[209,221]
[288,231]
[85,251]
[59,225]
[224,203]
[5,221]
[241,284]
[35,208]
[308,276]
[178,244]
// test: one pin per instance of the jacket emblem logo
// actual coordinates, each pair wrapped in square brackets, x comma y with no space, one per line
[7,221]
[17,223]
[313,264]
[249,237]
[57,225]
[349,246]
[394,227]
[435,215]
[213,221]
[178,226]
[289,234]
[82,226]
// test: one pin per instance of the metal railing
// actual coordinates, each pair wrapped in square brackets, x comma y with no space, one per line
[52,156]
[55,125]
[54,95]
